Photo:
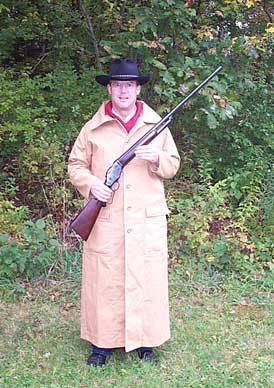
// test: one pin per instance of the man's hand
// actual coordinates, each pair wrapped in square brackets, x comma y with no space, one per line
[100,191]
[149,153]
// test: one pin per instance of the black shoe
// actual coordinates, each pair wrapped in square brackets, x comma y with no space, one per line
[96,359]
[147,355]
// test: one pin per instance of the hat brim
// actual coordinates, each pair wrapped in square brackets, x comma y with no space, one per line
[105,79]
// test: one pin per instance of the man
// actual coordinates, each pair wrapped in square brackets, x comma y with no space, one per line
[124,301]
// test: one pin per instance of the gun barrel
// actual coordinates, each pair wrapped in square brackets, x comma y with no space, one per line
[194,91]
[129,154]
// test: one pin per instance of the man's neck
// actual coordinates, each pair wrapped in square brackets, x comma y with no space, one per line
[125,115]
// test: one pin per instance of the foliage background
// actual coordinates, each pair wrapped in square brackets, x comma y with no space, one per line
[222,199]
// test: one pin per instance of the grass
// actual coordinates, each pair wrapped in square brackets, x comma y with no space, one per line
[222,336]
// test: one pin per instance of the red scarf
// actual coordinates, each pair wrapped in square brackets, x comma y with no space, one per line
[130,124]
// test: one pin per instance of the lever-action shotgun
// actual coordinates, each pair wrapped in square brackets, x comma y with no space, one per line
[83,223]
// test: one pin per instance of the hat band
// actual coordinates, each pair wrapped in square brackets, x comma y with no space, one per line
[124,76]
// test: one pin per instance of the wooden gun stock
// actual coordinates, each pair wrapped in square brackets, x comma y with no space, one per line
[83,223]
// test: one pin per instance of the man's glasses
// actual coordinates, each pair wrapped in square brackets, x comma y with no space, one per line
[126,84]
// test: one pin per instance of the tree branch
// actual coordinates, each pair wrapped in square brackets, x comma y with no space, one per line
[269,14]
[198,8]
[38,63]
[92,34]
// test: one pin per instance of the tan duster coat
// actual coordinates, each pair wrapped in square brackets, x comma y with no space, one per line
[124,301]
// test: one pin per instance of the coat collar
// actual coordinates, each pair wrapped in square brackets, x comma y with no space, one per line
[149,116]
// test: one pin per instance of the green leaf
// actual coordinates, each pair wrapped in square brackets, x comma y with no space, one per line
[4,238]
[159,65]
[211,121]
[53,242]
[168,78]
[230,112]
[3,8]
[40,224]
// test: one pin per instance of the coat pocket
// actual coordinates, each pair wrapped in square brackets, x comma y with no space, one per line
[157,210]
[156,230]
[100,239]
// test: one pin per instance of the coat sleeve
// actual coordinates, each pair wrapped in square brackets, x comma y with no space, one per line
[169,159]
[79,164]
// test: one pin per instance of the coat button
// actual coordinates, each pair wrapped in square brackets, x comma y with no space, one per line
[129,208]
[129,230]
[128,186]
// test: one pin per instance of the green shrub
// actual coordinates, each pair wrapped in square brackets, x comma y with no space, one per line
[29,256]
[41,118]
[207,231]
[12,217]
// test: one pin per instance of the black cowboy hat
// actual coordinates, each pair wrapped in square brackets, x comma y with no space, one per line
[122,70]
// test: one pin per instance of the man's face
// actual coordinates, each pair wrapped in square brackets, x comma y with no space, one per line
[123,95]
